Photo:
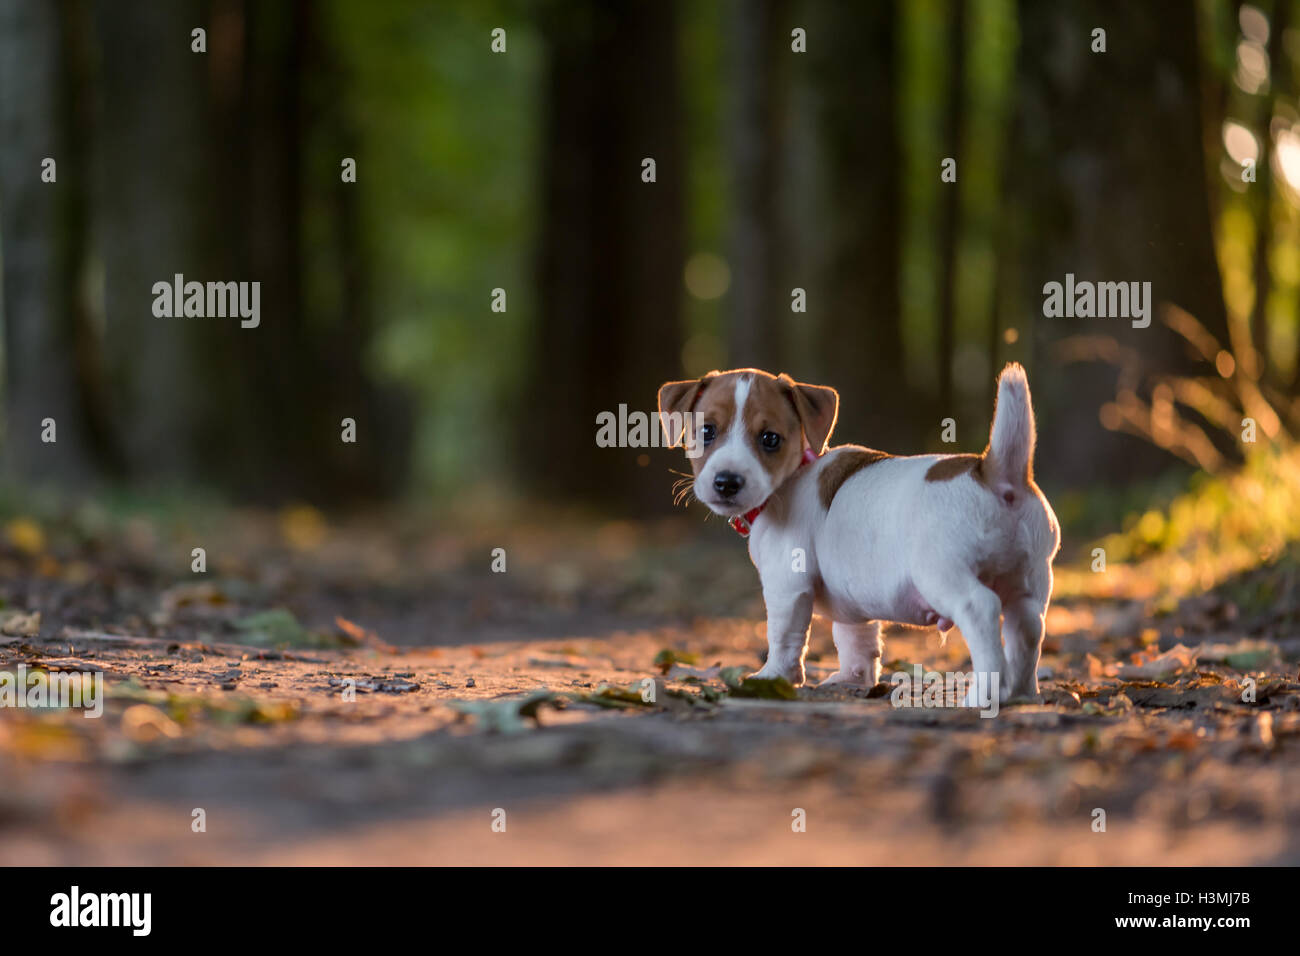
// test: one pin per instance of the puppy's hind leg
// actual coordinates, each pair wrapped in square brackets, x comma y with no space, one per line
[859,647]
[957,594]
[1024,617]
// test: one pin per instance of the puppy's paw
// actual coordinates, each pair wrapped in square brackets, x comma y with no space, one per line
[978,697]
[1023,695]
[769,671]
[843,678]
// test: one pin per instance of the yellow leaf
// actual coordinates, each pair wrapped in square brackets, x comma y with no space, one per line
[25,535]
[303,527]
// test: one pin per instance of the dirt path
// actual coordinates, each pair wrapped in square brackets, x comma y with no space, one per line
[359,751]
[287,768]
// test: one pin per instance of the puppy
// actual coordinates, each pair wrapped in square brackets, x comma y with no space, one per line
[865,537]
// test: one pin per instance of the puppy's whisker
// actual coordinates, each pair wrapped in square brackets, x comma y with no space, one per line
[685,496]
[683,488]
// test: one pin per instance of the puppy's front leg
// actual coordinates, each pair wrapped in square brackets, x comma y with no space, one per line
[789,615]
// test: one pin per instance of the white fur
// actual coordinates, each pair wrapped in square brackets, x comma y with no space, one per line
[896,547]
[1011,442]
[737,455]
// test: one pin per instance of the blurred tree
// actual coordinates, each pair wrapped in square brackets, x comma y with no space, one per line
[609,327]
[151,201]
[1276,101]
[214,165]
[1111,186]
[52,309]
[276,394]
[760,300]
[854,48]
[950,203]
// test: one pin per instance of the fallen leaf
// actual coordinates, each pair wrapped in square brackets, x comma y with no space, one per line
[694,674]
[361,637]
[1172,662]
[302,526]
[145,723]
[509,716]
[279,628]
[610,695]
[20,624]
[1097,668]
[1244,655]
[666,658]
[25,535]
[763,688]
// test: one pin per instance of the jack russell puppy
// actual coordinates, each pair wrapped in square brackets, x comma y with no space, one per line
[863,536]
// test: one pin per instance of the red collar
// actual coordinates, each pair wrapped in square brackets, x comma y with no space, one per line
[744,523]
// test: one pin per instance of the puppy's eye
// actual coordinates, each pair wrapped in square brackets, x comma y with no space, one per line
[707,433]
[770,440]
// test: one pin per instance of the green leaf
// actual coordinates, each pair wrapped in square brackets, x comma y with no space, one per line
[666,658]
[1252,659]
[279,628]
[609,695]
[507,716]
[766,688]
[732,676]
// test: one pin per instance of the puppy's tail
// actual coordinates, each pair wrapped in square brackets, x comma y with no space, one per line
[1010,456]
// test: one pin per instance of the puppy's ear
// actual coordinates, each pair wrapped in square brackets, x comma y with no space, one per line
[817,406]
[675,402]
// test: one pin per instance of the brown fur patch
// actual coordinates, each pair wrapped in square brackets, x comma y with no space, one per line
[946,469]
[768,408]
[818,407]
[844,463]
[717,407]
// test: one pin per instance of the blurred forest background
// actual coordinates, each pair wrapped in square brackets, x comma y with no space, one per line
[521,170]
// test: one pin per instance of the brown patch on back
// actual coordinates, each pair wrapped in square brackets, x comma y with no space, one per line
[844,463]
[946,469]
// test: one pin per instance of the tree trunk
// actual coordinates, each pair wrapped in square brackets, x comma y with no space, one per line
[52,358]
[611,248]
[152,200]
[855,63]
[759,303]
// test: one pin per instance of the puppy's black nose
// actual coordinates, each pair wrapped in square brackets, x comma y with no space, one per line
[727,483]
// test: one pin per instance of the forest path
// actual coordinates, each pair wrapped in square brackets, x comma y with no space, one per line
[288,766]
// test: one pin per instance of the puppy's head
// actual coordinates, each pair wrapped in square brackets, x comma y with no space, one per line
[745,432]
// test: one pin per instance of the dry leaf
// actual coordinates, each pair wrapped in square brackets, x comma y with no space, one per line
[1172,662]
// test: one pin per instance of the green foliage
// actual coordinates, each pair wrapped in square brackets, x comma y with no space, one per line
[990,47]
[1220,526]
[448,132]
